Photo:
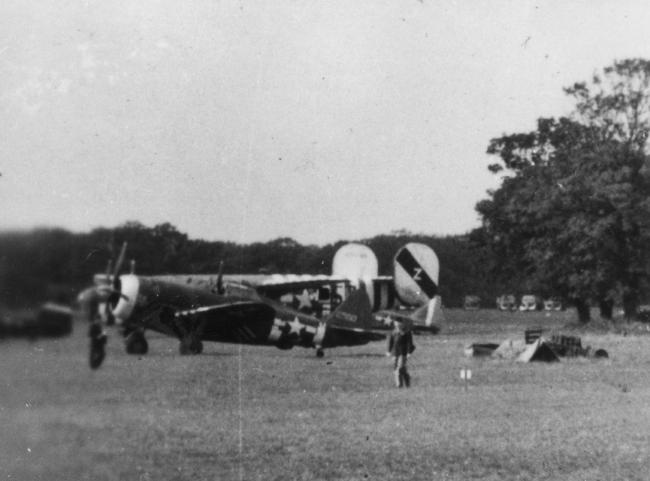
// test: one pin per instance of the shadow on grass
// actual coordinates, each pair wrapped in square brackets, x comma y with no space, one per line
[174,354]
[360,355]
[214,354]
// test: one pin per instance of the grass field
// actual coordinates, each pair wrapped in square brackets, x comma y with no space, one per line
[257,413]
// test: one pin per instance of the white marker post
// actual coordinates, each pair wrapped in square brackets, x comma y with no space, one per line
[466,375]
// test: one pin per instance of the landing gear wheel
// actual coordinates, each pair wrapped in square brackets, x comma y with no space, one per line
[97,350]
[190,347]
[320,352]
[136,343]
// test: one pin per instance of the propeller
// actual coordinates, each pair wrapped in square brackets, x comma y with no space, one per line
[220,287]
[116,291]
[110,288]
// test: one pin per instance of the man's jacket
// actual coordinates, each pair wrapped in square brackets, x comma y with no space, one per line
[400,343]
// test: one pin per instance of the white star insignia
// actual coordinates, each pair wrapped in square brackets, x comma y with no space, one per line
[295,326]
[304,300]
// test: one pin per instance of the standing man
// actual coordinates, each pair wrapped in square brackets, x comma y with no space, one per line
[400,345]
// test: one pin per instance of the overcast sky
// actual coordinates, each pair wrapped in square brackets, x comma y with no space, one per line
[248,121]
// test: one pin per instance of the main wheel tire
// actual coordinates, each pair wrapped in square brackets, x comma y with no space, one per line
[136,343]
[196,347]
[97,354]
[190,347]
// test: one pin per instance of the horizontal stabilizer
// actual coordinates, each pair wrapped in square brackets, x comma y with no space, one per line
[427,318]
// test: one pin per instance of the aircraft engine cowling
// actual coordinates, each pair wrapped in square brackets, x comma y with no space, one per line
[125,300]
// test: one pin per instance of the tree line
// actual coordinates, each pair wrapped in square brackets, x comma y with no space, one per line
[55,264]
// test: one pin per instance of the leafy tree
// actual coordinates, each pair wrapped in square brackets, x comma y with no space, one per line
[617,106]
[617,103]
[573,214]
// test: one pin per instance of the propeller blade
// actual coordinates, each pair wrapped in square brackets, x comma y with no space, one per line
[220,287]
[120,261]
[109,268]
[104,291]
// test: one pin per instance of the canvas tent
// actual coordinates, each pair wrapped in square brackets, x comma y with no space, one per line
[509,349]
[538,351]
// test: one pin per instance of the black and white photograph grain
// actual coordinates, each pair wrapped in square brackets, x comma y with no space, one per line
[369,240]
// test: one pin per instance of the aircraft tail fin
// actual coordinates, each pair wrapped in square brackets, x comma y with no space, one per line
[354,311]
[416,271]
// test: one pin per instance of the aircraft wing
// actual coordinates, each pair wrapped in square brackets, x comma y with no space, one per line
[239,321]
[232,311]
[341,335]
[376,334]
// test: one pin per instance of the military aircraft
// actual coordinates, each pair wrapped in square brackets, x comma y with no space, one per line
[195,314]
[263,309]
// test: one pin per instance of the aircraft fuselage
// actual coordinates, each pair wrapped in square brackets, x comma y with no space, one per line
[179,310]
